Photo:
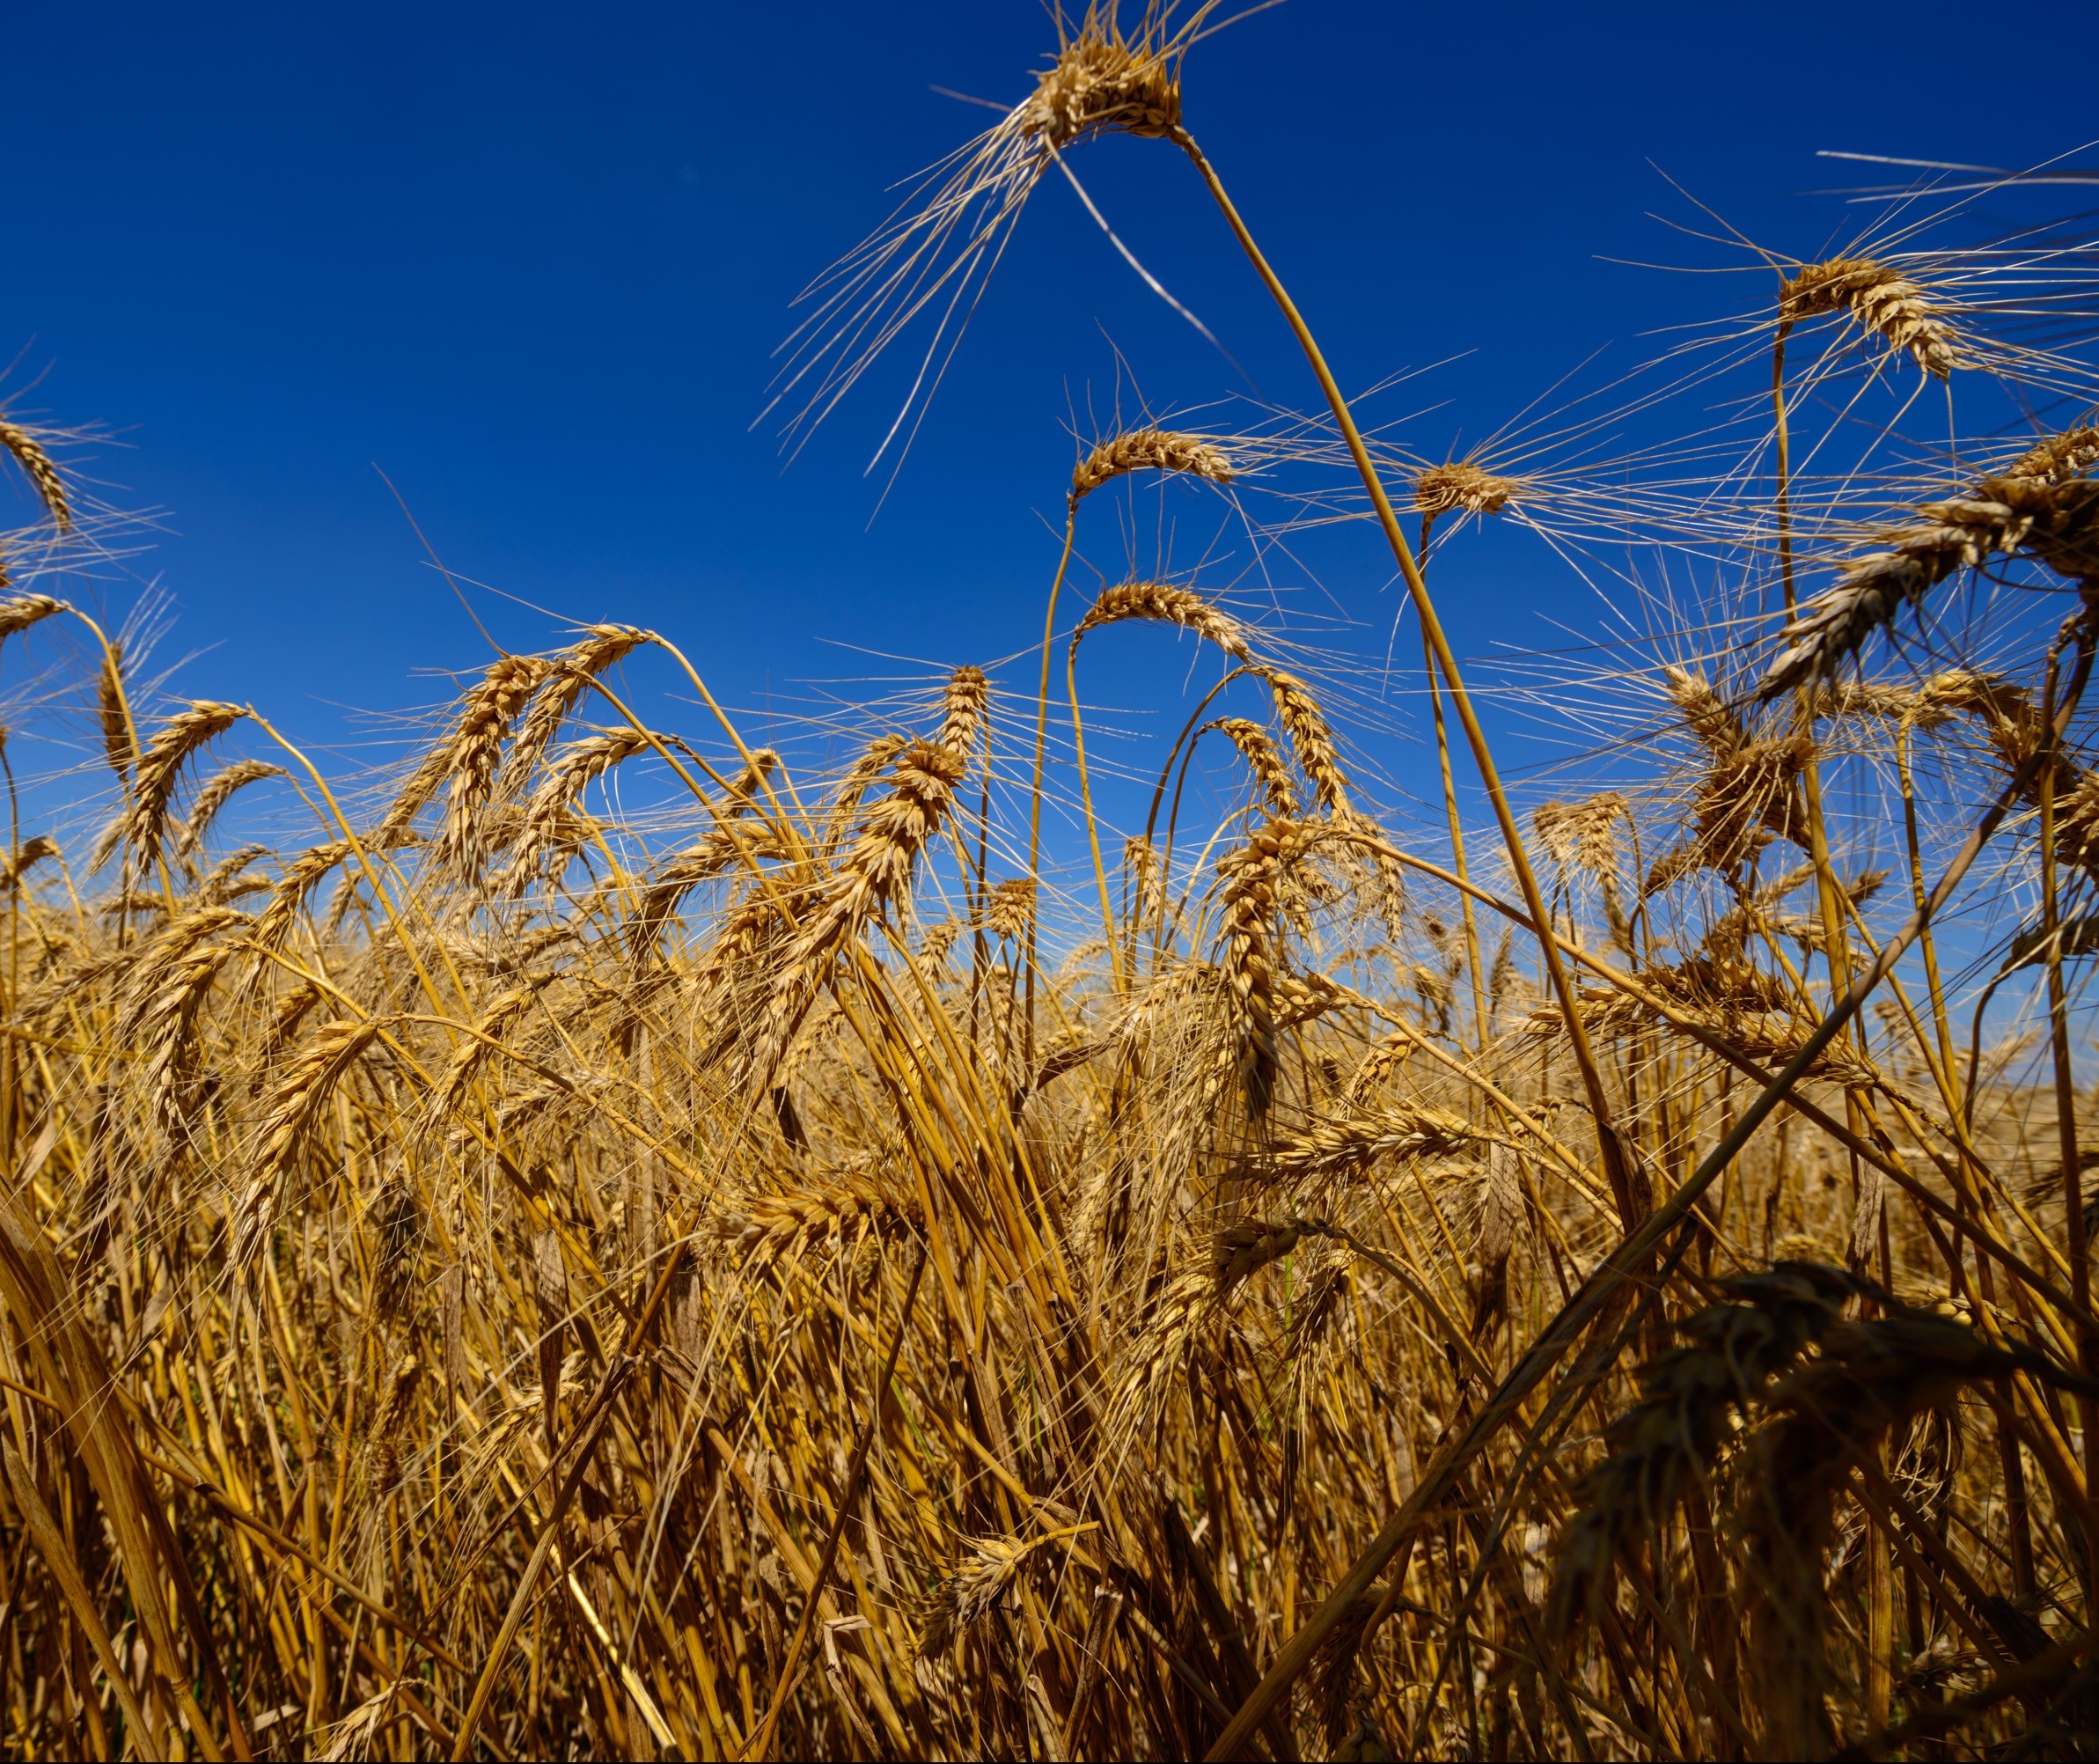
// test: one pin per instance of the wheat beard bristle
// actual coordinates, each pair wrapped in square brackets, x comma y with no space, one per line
[1883,303]
[1152,450]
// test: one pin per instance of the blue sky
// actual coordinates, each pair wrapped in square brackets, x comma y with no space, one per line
[530,261]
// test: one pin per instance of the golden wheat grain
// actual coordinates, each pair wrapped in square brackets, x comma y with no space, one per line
[43,475]
[115,717]
[844,1208]
[1009,907]
[177,741]
[1881,301]
[1459,485]
[2044,502]
[873,874]
[15,868]
[1336,1146]
[466,755]
[1264,759]
[1104,79]
[1311,740]
[962,710]
[1165,604]
[1255,879]
[569,675]
[20,612]
[288,1112]
[1151,450]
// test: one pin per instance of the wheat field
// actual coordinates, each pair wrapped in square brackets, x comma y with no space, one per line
[603,1240]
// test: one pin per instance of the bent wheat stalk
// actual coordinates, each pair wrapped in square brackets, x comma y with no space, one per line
[1628,1185]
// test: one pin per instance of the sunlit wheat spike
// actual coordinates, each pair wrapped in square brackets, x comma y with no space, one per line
[35,849]
[1881,301]
[110,708]
[1264,759]
[1717,725]
[2045,503]
[963,710]
[214,794]
[288,1111]
[43,475]
[844,1208]
[552,806]
[20,612]
[474,749]
[567,683]
[1336,1146]
[972,1592]
[1311,738]
[1459,486]
[873,874]
[1105,79]
[230,877]
[1584,835]
[1255,880]
[474,1052]
[301,877]
[1152,450]
[160,769]
[466,755]
[854,787]
[163,996]
[1165,604]
[1009,908]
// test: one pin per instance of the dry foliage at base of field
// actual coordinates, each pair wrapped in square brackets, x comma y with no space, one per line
[742,1274]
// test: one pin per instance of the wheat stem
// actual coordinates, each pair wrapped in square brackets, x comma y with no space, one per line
[1625,1185]
[1049,631]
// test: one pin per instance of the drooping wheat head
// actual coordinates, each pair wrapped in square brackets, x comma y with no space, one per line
[1886,305]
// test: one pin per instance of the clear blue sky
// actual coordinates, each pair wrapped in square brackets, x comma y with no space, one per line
[531,261]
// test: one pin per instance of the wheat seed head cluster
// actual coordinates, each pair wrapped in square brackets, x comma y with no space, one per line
[967,1232]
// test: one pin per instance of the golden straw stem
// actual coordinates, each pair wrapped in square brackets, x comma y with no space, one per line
[1049,632]
[1458,832]
[1631,1205]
